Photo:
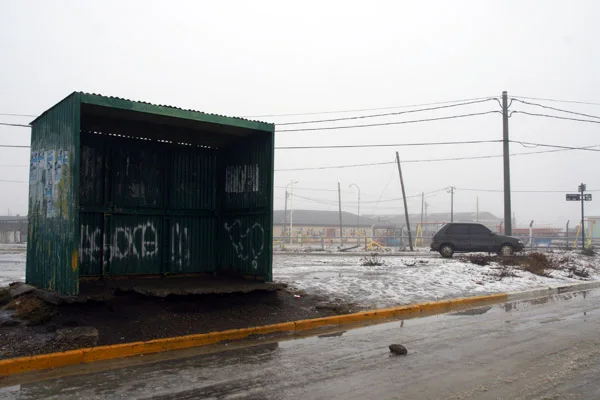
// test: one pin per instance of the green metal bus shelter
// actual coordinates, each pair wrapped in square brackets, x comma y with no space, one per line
[124,188]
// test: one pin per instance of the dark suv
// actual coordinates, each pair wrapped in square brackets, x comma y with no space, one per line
[467,238]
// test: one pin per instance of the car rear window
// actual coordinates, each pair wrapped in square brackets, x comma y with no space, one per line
[479,230]
[458,230]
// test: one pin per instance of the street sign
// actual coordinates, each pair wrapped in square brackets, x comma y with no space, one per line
[582,187]
[587,197]
[574,197]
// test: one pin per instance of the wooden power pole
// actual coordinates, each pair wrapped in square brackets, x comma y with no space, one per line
[404,199]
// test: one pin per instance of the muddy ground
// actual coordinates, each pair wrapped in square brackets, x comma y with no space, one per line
[29,326]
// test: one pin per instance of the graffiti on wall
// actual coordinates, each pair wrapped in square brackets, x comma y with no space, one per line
[248,245]
[47,171]
[180,246]
[138,242]
[90,244]
[241,178]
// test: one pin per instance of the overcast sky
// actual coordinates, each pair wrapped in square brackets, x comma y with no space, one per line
[273,57]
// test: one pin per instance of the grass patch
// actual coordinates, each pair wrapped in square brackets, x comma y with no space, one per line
[5,296]
[31,309]
[479,259]
[535,263]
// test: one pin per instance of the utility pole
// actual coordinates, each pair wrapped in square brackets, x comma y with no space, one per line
[358,211]
[451,191]
[506,157]
[422,208]
[404,199]
[477,209]
[340,208]
[291,208]
[582,190]
[581,196]
[285,213]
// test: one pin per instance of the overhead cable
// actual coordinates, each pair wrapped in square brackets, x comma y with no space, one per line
[415,121]
[367,109]
[385,114]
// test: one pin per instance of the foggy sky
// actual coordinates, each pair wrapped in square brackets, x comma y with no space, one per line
[270,57]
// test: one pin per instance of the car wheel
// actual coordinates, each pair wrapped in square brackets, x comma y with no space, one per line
[506,250]
[446,250]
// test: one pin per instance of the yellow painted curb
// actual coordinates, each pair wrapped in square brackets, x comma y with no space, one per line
[54,360]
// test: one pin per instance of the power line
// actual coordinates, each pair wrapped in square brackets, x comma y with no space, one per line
[18,115]
[557,101]
[14,146]
[586,148]
[391,123]
[553,116]
[386,114]
[17,125]
[2,180]
[556,148]
[333,202]
[318,190]
[366,109]
[556,109]
[335,167]
[520,191]
[351,146]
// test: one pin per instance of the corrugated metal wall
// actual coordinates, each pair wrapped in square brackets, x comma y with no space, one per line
[246,217]
[151,210]
[53,234]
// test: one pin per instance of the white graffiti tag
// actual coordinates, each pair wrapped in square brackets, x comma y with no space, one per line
[125,242]
[90,244]
[180,249]
[254,238]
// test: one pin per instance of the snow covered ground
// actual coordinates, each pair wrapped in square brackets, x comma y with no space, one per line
[401,280]
[12,263]
[405,280]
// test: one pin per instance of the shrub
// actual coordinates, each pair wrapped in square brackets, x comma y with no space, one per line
[588,251]
[580,272]
[506,271]
[537,263]
[479,259]
[372,260]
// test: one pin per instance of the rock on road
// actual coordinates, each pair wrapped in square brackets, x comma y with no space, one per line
[546,348]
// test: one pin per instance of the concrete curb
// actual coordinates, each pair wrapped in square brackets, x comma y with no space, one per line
[54,360]
[529,294]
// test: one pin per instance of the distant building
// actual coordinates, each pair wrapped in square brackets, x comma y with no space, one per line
[320,223]
[327,223]
[13,229]
[432,222]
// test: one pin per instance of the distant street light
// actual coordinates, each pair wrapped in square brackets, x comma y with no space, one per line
[358,209]
[291,206]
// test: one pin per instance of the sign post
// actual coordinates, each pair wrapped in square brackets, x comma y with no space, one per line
[581,196]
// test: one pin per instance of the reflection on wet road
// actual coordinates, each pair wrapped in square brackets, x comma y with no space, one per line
[545,348]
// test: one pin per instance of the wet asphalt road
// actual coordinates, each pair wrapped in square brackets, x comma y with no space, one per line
[548,348]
